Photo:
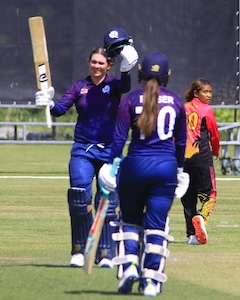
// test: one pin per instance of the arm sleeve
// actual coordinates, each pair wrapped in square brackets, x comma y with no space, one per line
[122,127]
[180,136]
[66,102]
[213,132]
[125,82]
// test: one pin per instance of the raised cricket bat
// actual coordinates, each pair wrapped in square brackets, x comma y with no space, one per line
[40,57]
[96,228]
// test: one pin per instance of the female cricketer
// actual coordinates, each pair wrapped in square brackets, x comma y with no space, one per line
[96,99]
[148,175]
[203,142]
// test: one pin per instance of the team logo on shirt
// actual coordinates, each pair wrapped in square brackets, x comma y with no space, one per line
[106,89]
[84,91]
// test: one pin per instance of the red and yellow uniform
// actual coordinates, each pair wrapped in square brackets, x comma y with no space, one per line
[202,144]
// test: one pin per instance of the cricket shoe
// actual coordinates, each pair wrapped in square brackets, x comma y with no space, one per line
[77,260]
[106,263]
[130,275]
[149,288]
[200,230]
[192,240]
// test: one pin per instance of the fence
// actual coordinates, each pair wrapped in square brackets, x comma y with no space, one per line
[18,133]
[149,23]
[230,160]
[36,133]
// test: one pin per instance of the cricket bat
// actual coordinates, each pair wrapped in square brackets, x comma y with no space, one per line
[40,57]
[96,228]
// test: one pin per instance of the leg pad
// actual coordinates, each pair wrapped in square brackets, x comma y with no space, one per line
[79,202]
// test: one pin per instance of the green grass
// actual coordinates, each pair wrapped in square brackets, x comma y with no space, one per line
[35,238]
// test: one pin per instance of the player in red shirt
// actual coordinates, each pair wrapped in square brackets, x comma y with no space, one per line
[202,145]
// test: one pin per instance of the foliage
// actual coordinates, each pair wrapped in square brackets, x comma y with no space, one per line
[32,115]
[37,115]
[226,115]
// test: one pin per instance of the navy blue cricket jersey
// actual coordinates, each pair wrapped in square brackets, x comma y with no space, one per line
[168,137]
[96,105]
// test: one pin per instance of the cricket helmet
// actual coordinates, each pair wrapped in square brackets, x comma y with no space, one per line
[114,41]
[154,65]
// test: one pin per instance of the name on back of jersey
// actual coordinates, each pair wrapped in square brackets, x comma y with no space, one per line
[161,99]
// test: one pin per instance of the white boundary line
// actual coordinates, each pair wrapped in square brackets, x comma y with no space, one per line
[227,179]
[34,177]
[66,177]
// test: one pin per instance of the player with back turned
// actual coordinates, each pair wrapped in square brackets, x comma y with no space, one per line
[148,175]
[203,142]
[96,99]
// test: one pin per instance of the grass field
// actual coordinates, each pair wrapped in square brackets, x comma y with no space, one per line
[35,237]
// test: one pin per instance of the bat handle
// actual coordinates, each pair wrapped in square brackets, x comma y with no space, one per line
[115,165]
[48,116]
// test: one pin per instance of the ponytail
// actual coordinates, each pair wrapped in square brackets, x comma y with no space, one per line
[147,120]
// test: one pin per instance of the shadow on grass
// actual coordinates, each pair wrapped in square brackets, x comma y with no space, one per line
[179,242]
[51,266]
[100,292]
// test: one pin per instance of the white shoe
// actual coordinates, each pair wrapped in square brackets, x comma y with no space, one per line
[130,275]
[192,240]
[151,289]
[106,263]
[77,260]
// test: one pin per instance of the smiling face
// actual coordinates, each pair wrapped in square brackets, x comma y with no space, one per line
[98,66]
[204,94]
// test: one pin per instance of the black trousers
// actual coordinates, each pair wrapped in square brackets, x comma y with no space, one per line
[202,188]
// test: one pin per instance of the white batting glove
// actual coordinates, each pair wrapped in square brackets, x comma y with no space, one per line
[183,183]
[45,98]
[105,179]
[130,58]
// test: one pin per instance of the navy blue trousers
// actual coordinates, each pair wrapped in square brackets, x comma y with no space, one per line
[147,183]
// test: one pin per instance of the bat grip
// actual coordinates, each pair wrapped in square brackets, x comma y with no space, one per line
[48,116]
[115,165]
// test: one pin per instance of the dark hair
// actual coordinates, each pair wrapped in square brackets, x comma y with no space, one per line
[196,85]
[147,120]
[101,51]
